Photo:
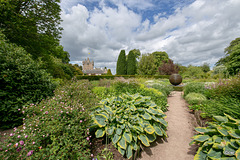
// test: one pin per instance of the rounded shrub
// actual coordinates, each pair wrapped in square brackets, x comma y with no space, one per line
[195,98]
[195,87]
[21,82]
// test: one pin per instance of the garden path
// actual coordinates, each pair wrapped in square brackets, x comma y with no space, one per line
[180,129]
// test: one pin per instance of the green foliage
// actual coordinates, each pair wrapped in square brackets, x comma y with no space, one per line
[232,57]
[21,82]
[196,87]
[131,64]
[122,63]
[166,89]
[193,72]
[160,58]
[146,65]
[195,98]
[109,72]
[205,67]
[99,77]
[129,120]
[34,25]
[56,128]
[219,140]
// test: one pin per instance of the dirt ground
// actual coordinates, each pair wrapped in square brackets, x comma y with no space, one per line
[180,129]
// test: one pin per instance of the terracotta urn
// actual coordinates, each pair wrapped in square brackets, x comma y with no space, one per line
[175,79]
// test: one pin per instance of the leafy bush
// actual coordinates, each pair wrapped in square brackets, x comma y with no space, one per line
[165,89]
[222,105]
[55,128]
[129,120]
[21,82]
[158,97]
[195,98]
[226,88]
[219,140]
[195,87]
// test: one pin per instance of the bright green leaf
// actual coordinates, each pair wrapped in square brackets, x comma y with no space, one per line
[122,143]
[146,116]
[127,136]
[220,118]
[100,133]
[143,138]
[201,138]
[149,129]
[100,119]
[129,152]
[116,138]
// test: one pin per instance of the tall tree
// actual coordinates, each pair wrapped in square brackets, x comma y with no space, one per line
[205,67]
[146,65]
[232,57]
[131,64]
[122,63]
[160,58]
[32,24]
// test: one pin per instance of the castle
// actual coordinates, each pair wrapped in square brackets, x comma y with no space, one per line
[88,68]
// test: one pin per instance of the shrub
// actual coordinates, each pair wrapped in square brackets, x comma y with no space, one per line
[129,120]
[222,105]
[195,87]
[165,89]
[158,97]
[219,140]
[226,88]
[56,128]
[21,82]
[195,98]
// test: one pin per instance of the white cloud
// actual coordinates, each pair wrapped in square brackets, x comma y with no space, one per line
[194,34]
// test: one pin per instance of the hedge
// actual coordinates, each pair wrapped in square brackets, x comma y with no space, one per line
[98,77]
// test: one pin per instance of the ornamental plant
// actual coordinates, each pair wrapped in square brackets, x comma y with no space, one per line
[56,128]
[129,121]
[219,140]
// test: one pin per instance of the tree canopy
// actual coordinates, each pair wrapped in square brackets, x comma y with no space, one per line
[34,25]
[146,65]
[160,58]
[232,57]
[131,63]
[121,63]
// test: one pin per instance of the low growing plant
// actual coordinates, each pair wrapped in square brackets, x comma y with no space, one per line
[196,87]
[56,128]
[195,98]
[129,121]
[219,140]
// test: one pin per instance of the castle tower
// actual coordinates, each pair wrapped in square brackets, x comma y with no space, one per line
[87,65]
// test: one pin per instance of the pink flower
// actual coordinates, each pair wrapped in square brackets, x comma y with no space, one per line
[34,142]
[80,121]
[91,155]
[46,112]
[40,109]
[18,136]
[30,153]
[21,142]
[88,138]
[11,134]
[61,111]
[19,149]
[15,145]
[19,109]
[26,136]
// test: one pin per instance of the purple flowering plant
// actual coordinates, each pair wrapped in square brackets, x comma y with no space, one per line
[55,128]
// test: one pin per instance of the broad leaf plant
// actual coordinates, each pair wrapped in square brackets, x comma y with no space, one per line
[220,140]
[129,121]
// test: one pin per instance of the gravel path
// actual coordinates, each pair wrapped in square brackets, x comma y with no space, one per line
[180,130]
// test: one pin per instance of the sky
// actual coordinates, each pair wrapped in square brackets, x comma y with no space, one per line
[189,31]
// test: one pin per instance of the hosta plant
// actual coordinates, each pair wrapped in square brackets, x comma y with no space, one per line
[129,121]
[220,140]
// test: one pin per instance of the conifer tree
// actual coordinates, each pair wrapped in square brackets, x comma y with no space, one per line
[131,64]
[121,63]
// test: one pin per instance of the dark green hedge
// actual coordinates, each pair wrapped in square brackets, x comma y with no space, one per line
[95,77]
